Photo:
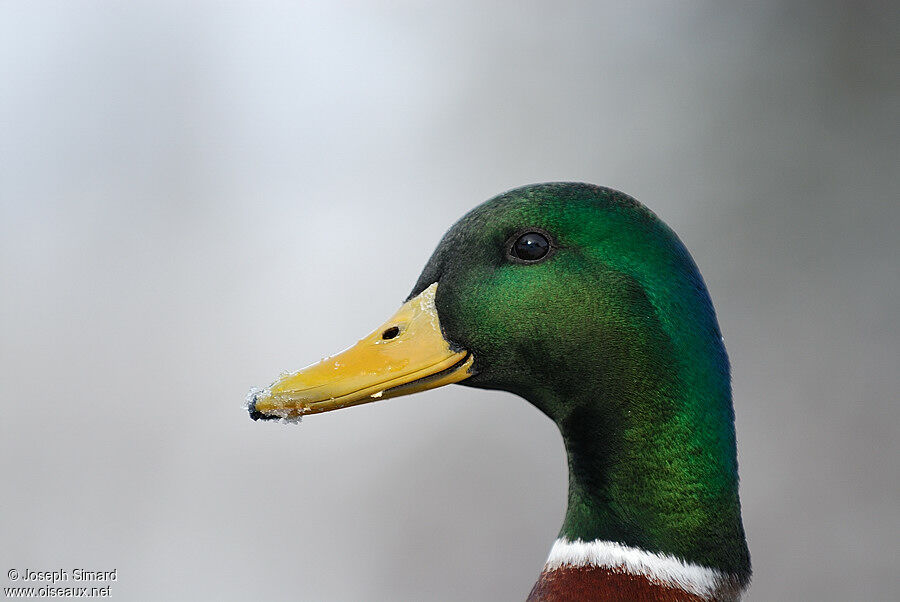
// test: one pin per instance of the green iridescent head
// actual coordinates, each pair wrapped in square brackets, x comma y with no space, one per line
[612,334]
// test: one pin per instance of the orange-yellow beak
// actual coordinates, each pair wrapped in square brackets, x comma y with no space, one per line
[406,354]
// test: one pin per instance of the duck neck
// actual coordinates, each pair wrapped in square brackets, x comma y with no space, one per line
[655,472]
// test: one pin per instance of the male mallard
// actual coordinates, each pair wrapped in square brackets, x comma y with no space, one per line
[579,299]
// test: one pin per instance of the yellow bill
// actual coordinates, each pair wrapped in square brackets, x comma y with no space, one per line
[406,354]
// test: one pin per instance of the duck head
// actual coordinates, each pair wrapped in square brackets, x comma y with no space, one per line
[583,302]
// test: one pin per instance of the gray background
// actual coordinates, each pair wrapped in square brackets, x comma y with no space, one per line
[197,196]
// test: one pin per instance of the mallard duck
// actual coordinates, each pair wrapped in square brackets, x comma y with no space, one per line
[579,299]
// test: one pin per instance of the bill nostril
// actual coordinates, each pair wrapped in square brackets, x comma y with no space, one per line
[390,333]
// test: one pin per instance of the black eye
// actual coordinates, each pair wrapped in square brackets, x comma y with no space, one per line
[531,246]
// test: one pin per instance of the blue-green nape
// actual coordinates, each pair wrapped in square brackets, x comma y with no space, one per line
[612,335]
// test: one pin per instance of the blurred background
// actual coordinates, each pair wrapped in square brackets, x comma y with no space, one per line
[197,196]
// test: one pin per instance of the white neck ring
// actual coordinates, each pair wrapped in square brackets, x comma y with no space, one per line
[667,570]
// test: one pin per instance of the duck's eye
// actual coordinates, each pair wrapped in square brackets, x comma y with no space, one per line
[531,246]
